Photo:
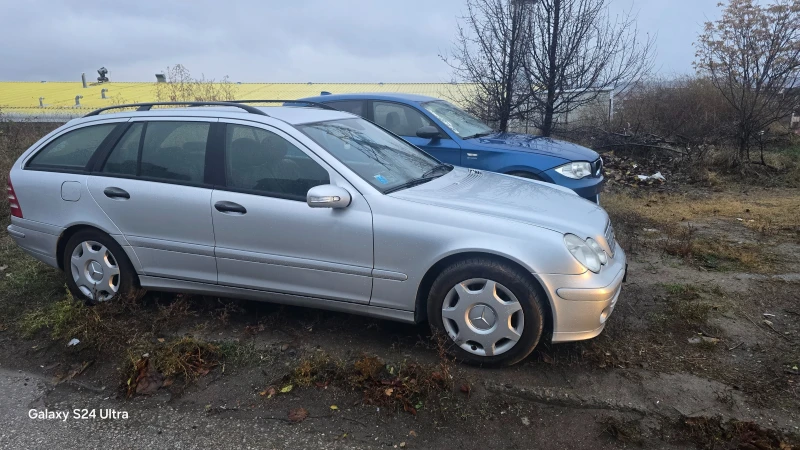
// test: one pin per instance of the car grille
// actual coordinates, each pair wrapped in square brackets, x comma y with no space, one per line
[597,167]
[611,238]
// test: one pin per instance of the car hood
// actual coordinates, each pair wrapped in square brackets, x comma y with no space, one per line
[536,144]
[504,196]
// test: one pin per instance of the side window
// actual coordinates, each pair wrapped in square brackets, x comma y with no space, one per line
[72,150]
[175,151]
[261,161]
[125,155]
[352,106]
[399,119]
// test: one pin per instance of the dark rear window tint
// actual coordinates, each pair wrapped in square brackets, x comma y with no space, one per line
[73,149]
[175,151]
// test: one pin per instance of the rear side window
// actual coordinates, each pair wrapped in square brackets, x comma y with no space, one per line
[170,151]
[175,151]
[123,160]
[352,106]
[72,150]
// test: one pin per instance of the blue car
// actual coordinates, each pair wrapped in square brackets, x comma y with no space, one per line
[454,136]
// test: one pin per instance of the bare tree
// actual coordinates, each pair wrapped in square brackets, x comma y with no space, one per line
[181,87]
[575,50]
[489,54]
[752,55]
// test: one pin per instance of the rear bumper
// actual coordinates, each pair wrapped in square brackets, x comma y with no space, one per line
[582,304]
[36,239]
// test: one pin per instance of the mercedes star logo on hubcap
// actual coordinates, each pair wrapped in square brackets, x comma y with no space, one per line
[482,317]
[95,269]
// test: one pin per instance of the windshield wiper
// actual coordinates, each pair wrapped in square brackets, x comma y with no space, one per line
[477,135]
[408,184]
[427,176]
[439,167]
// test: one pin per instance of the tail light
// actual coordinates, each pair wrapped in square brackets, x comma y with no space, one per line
[13,203]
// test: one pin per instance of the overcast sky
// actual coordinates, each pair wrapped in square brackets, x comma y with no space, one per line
[275,41]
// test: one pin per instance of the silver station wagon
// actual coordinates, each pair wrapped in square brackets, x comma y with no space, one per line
[302,205]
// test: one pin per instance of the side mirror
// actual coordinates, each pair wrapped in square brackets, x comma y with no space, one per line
[428,132]
[328,196]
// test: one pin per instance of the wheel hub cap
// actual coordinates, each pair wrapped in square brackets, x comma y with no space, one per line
[482,317]
[95,271]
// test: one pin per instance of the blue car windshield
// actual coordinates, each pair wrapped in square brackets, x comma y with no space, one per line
[386,162]
[464,124]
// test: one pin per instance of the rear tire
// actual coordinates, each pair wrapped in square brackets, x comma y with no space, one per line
[98,270]
[488,312]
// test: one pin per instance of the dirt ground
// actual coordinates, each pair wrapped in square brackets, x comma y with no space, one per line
[702,352]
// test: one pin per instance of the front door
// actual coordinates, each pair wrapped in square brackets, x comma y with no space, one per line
[404,121]
[268,238]
[152,186]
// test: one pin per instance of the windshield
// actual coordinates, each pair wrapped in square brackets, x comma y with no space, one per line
[464,124]
[381,159]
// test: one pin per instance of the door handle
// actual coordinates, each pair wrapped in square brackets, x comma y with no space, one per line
[115,192]
[230,207]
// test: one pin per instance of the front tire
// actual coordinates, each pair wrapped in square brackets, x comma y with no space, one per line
[97,268]
[489,312]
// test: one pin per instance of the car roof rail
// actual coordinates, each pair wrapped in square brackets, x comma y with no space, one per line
[146,106]
[305,102]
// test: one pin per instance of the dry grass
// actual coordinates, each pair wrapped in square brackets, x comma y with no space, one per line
[768,209]
[713,433]
[407,386]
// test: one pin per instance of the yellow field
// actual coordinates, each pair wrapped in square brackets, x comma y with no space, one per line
[59,97]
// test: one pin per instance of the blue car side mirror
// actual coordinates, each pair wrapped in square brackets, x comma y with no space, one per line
[429,132]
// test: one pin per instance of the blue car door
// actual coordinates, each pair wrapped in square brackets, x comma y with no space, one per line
[404,121]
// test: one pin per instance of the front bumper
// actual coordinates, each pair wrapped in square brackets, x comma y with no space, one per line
[588,188]
[582,304]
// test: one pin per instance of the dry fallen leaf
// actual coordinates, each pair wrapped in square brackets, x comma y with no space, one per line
[334,407]
[465,388]
[268,392]
[388,392]
[298,415]
[287,388]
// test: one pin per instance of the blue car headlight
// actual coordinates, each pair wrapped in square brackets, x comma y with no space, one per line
[575,170]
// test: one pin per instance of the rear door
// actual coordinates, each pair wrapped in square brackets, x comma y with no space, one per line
[268,238]
[152,185]
[404,121]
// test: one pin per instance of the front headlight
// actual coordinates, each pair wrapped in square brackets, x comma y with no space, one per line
[575,170]
[597,249]
[584,253]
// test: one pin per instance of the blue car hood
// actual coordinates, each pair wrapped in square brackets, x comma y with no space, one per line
[536,144]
